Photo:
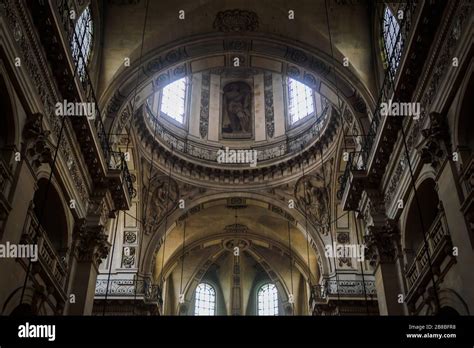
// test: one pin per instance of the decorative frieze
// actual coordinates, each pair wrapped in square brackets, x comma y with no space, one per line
[236,21]
[269,113]
[205,98]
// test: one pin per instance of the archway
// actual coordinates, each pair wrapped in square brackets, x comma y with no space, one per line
[49,211]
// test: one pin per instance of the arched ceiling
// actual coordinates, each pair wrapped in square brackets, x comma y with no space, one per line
[123,24]
[261,235]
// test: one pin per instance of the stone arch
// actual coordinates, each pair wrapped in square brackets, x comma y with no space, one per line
[463,120]
[55,219]
[298,221]
[173,61]
[452,301]
[412,223]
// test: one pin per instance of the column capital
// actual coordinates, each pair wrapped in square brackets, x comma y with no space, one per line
[91,243]
[382,243]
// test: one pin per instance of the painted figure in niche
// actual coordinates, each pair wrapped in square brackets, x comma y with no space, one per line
[236,112]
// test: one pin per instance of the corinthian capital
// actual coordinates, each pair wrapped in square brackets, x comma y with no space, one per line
[382,243]
[91,244]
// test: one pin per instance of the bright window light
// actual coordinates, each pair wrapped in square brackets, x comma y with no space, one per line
[173,100]
[300,100]
[391,28]
[205,302]
[83,41]
[268,300]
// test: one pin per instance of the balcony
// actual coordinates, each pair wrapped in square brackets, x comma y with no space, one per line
[56,32]
[351,291]
[129,289]
[439,247]
[52,267]
[412,44]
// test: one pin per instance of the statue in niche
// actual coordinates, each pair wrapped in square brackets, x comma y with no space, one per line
[236,110]
[312,198]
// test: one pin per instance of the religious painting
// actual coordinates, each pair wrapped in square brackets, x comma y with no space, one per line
[237,111]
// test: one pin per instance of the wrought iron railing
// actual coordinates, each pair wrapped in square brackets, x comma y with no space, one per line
[82,78]
[129,288]
[268,152]
[363,154]
[329,288]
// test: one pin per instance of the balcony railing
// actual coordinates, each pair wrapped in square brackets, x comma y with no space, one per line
[334,288]
[142,288]
[82,79]
[52,264]
[437,237]
[267,152]
[360,158]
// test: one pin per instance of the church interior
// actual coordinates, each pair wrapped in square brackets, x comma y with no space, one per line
[236,158]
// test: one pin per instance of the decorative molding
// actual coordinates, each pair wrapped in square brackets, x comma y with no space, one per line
[37,68]
[162,199]
[92,244]
[382,243]
[35,146]
[269,113]
[205,98]
[236,21]
[236,229]
[441,65]
[312,197]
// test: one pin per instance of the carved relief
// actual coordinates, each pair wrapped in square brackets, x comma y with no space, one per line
[36,147]
[311,193]
[268,95]
[92,244]
[128,256]
[236,21]
[205,97]
[382,243]
[162,198]
[436,139]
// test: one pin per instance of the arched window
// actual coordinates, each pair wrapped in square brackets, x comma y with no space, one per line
[82,42]
[173,99]
[300,100]
[392,47]
[267,300]
[205,300]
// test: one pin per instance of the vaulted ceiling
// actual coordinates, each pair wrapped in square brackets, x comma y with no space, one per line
[123,25]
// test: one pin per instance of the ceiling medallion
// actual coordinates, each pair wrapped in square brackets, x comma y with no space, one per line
[242,244]
[236,21]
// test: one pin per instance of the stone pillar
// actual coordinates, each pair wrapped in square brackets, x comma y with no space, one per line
[435,151]
[383,253]
[90,247]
